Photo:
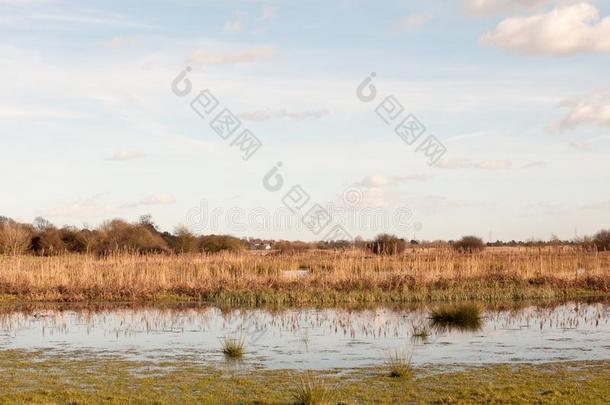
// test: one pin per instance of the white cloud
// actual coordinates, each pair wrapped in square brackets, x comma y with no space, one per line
[593,109]
[564,30]
[377,181]
[380,191]
[93,208]
[155,199]
[535,165]
[122,155]
[18,112]
[587,144]
[268,13]
[490,7]
[464,163]
[117,42]
[598,206]
[235,24]
[205,57]
[89,18]
[545,208]
[283,114]
[430,205]
[414,21]
[23,2]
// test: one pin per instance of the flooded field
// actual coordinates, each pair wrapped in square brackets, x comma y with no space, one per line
[312,338]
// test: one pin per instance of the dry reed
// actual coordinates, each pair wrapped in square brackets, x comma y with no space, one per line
[349,276]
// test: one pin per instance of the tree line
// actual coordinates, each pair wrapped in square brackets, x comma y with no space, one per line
[143,236]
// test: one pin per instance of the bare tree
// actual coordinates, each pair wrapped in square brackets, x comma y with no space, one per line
[14,238]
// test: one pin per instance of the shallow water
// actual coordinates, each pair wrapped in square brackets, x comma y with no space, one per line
[311,338]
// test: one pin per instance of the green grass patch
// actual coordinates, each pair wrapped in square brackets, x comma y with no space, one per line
[43,378]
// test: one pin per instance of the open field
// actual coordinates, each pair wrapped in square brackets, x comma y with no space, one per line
[32,377]
[328,278]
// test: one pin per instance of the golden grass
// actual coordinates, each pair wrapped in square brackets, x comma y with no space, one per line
[350,276]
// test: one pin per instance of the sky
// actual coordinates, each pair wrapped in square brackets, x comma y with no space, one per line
[96,121]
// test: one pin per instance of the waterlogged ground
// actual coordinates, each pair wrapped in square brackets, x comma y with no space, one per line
[30,377]
[321,339]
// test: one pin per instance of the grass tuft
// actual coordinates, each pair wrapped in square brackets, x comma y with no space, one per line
[399,365]
[420,332]
[312,391]
[233,347]
[462,316]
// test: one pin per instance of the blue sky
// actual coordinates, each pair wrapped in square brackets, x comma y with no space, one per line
[516,90]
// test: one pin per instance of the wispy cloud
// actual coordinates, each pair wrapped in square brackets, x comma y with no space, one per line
[205,57]
[122,155]
[430,205]
[545,208]
[33,112]
[593,109]
[89,18]
[535,165]
[93,207]
[491,7]
[377,181]
[565,30]
[464,163]
[267,115]
[268,13]
[588,144]
[155,199]
[117,42]
[414,21]
[23,2]
[598,206]
[235,24]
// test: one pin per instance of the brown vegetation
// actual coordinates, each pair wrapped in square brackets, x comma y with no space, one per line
[14,238]
[469,244]
[602,240]
[334,276]
[385,244]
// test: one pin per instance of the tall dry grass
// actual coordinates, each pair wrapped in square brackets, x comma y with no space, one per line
[248,278]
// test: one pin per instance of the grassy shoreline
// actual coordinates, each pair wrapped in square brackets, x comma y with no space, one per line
[32,377]
[324,298]
[420,275]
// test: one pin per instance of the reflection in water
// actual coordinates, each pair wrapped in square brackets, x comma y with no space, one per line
[462,317]
[313,338]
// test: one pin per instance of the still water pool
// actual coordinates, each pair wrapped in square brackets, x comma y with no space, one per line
[310,338]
